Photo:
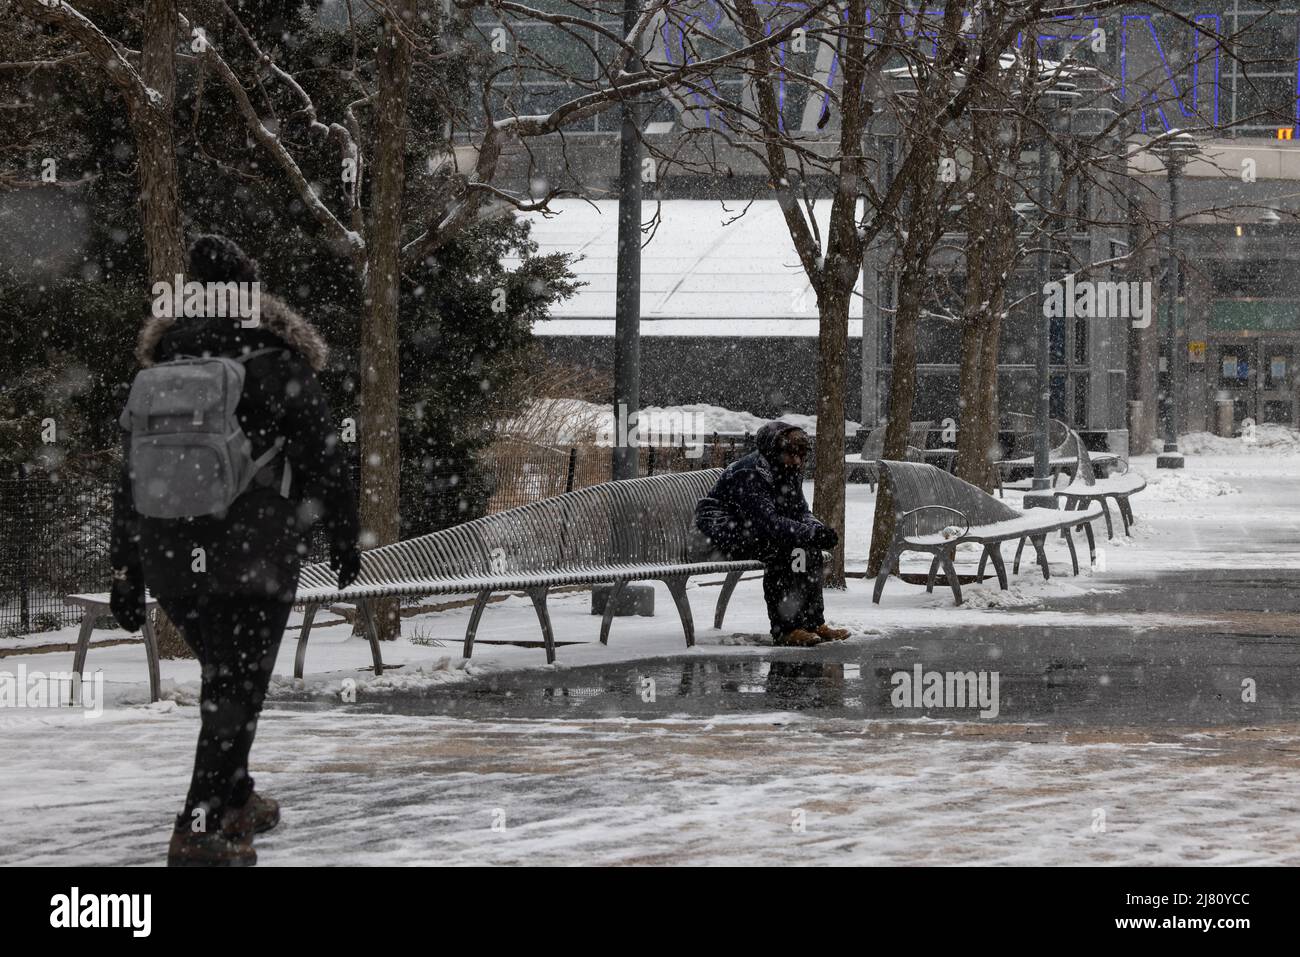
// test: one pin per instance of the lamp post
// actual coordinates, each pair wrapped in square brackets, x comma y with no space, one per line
[1040,494]
[627,296]
[1174,148]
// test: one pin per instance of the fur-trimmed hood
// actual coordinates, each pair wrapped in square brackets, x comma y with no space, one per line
[276,317]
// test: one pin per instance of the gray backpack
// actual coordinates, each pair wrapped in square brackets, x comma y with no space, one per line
[189,455]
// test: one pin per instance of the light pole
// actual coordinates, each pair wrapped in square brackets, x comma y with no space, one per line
[1175,148]
[1040,494]
[627,296]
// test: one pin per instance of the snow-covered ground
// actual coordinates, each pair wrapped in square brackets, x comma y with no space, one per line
[425,789]
[1222,511]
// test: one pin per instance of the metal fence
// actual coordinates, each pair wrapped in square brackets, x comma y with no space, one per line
[54,536]
[53,542]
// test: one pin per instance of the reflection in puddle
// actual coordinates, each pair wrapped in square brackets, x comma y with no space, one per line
[959,690]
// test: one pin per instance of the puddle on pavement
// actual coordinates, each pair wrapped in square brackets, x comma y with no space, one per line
[887,686]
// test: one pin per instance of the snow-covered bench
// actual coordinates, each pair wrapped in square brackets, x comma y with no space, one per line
[1062,458]
[936,512]
[95,605]
[1086,488]
[613,533]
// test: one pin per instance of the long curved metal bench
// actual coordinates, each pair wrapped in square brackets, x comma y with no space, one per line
[1086,488]
[927,501]
[613,533]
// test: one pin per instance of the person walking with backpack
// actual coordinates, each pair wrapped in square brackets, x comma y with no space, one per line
[232,458]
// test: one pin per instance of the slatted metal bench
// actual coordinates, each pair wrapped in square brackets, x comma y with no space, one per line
[613,533]
[873,449]
[936,512]
[1087,488]
[1062,458]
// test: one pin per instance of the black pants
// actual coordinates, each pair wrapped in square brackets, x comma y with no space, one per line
[236,640]
[792,578]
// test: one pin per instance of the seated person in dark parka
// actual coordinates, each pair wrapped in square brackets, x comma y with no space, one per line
[757,511]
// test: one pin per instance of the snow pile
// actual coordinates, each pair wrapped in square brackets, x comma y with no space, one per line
[1028,589]
[1016,596]
[1167,485]
[1268,439]
[422,678]
[575,418]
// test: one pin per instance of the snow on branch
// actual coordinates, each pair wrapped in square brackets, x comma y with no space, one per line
[98,45]
[271,142]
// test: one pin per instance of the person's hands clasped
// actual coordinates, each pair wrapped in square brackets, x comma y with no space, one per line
[825,538]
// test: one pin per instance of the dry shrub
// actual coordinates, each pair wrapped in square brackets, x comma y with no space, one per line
[530,455]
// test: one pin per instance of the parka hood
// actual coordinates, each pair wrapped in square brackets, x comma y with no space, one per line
[768,441]
[276,317]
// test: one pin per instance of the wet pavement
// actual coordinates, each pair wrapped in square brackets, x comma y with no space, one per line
[1216,649]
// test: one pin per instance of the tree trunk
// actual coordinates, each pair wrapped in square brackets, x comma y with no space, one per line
[832,374]
[902,395]
[151,127]
[970,450]
[380,383]
[988,421]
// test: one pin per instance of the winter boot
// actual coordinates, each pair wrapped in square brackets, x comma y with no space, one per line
[798,638]
[208,849]
[258,815]
[827,633]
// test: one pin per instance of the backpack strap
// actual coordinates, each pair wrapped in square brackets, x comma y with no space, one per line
[265,350]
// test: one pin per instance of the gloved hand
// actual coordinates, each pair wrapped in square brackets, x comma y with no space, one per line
[825,538]
[347,562]
[126,598]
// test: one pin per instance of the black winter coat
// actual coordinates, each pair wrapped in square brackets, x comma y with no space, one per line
[757,504]
[256,548]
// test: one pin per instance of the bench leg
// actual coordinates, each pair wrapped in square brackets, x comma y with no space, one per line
[950,570]
[677,588]
[891,558]
[1124,513]
[1074,556]
[999,566]
[934,572]
[373,634]
[728,586]
[151,655]
[1040,546]
[538,595]
[1015,565]
[83,646]
[1127,503]
[300,659]
[479,604]
[611,604]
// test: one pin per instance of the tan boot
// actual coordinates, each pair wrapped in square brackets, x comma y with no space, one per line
[258,815]
[798,638]
[208,849]
[827,633]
